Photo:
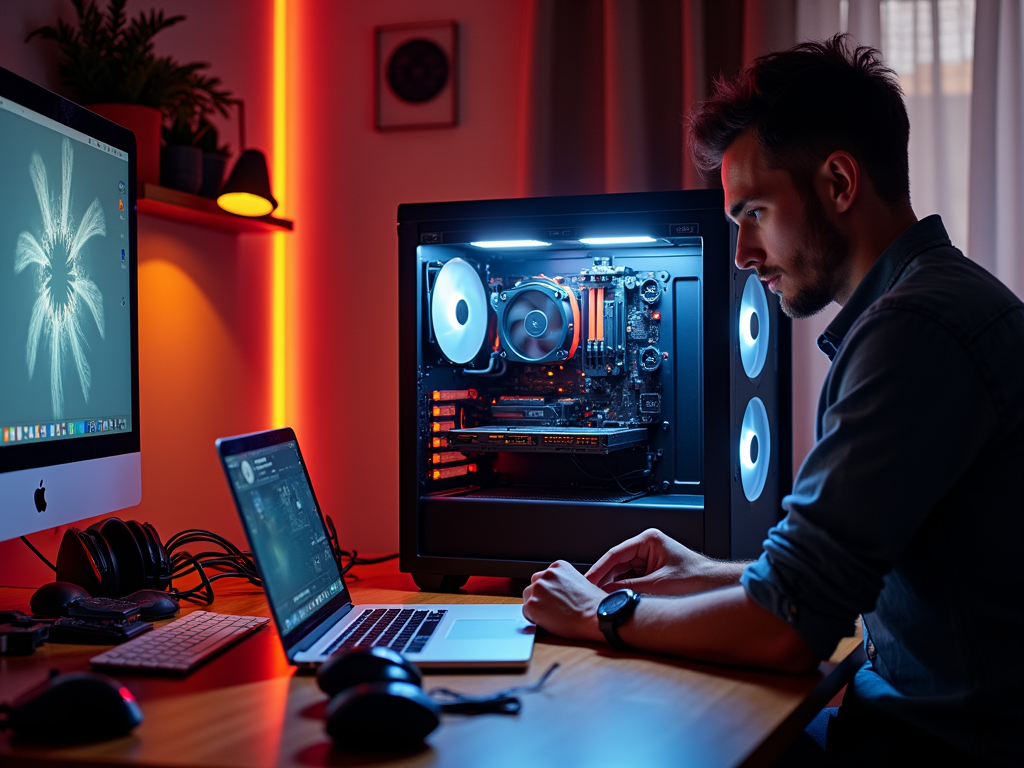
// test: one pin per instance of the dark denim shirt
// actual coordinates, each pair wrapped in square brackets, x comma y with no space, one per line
[909,509]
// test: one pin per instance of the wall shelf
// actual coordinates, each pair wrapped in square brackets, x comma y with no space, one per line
[166,203]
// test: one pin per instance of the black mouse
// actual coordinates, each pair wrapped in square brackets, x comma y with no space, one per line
[53,599]
[366,665]
[154,604]
[381,717]
[74,708]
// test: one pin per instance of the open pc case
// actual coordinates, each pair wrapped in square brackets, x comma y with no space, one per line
[574,370]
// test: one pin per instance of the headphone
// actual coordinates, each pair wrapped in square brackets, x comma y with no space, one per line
[114,558]
[378,702]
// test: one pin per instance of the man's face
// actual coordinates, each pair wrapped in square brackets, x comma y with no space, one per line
[785,236]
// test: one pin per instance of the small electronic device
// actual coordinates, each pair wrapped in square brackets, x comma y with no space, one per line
[154,604]
[69,387]
[382,717]
[53,598]
[378,703]
[103,608]
[92,631]
[311,605]
[73,708]
[20,635]
[182,645]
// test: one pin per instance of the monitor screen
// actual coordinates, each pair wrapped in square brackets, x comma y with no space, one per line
[69,441]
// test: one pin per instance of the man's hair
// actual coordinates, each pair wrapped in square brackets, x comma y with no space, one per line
[806,103]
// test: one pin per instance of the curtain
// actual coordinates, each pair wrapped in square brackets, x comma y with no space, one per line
[609,83]
[996,203]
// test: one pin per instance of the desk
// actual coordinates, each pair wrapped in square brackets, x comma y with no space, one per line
[248,708]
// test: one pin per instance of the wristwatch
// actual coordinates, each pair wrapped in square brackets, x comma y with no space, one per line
[613,611]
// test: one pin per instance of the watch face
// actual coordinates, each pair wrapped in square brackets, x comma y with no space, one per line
[613,602]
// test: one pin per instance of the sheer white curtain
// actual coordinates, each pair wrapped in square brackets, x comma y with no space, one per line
[996,202]
[930,44]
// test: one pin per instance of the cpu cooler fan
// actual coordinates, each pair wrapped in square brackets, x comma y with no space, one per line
[538,321]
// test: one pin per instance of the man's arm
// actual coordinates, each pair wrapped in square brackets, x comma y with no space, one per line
[723,626]
[653,563]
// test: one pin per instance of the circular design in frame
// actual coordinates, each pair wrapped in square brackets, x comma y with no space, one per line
[418,71]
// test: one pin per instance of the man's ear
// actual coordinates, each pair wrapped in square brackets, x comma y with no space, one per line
[840,180]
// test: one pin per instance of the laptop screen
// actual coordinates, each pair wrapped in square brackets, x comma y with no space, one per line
[286,532]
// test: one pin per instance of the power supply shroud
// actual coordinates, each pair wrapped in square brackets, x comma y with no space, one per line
[557,397]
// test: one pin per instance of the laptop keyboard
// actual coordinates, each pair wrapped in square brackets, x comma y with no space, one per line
[404,630]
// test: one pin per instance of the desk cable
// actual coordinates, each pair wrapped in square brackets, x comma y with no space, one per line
[504,702]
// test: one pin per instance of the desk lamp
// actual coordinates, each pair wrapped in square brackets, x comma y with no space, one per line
[247,190]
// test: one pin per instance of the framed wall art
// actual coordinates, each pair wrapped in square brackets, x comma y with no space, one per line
[417,76]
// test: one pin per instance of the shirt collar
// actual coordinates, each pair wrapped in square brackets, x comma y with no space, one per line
[883,275]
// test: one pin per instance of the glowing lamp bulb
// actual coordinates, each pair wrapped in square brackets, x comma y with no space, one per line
[245,204]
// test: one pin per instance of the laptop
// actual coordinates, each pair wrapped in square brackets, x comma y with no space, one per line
[311,605]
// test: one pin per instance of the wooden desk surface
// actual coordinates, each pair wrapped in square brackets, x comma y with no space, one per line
[249,708]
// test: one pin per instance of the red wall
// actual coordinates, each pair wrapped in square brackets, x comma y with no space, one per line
[347,182]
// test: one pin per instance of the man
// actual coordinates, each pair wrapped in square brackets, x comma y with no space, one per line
[909,509]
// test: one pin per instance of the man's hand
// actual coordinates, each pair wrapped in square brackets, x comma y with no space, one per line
[564,603]
[654,564]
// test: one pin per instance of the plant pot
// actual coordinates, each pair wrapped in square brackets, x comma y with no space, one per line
[214,165]
[181,168]
[145,123]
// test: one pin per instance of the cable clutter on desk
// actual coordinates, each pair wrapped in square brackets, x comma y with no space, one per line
[115,558]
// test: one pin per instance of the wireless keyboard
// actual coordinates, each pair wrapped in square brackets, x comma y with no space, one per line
[182,645]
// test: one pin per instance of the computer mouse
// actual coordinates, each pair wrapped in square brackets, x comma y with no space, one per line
[382,717]
[366,665]
[154,604]
[74,708]
[53,599]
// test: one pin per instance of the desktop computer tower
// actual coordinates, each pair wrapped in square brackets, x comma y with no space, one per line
[575,370]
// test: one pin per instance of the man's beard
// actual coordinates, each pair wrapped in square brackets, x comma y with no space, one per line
[824,264]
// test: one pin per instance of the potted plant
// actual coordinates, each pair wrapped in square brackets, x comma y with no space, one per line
[189,136]
[215,161]
[108,64]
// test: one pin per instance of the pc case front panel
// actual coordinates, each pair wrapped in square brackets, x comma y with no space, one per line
[570,409]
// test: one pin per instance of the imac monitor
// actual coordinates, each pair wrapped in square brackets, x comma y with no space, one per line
[69,383]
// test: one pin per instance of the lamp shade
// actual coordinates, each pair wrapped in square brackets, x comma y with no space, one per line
[247,190]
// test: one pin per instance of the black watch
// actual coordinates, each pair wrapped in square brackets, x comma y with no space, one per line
[613,612]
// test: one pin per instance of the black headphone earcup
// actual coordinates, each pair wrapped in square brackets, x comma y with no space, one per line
[129,558]
[382,717]
[78,562]
[161,578]
[107,562]
[150,557]
[366,665]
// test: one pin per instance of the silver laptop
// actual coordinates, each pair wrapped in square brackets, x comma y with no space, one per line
[310,603]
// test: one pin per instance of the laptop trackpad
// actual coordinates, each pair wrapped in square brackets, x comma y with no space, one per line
[484,629]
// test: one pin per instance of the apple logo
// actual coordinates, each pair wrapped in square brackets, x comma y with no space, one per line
[40,497]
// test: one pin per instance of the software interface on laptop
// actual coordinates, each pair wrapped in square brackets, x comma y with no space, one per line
[286,532]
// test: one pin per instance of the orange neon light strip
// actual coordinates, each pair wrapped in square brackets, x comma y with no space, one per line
[279,299]
[600,314]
